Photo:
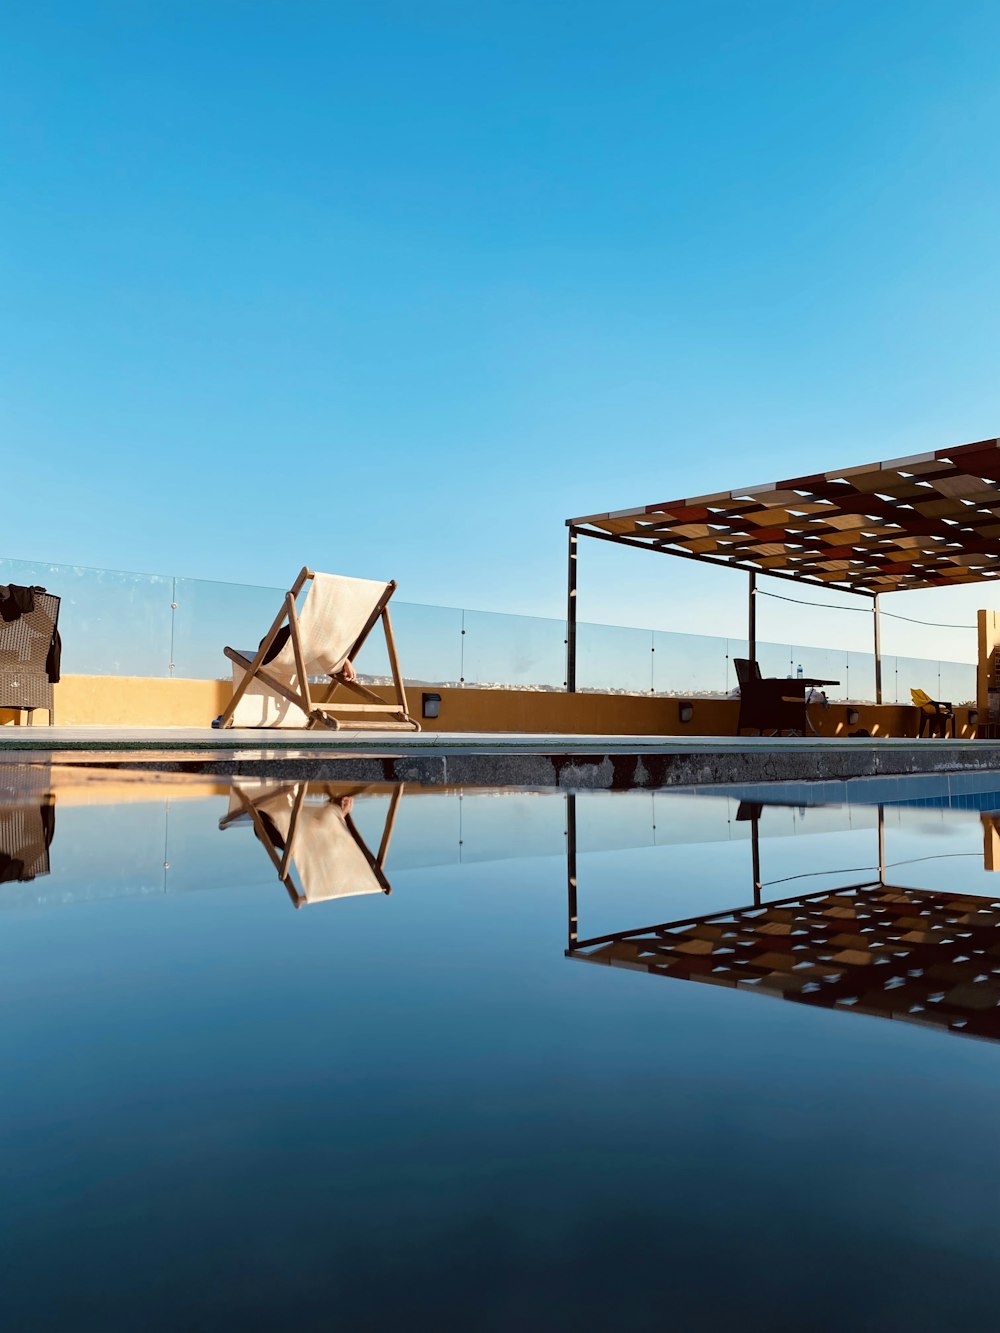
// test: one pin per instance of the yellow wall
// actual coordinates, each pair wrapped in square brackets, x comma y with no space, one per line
[128,701]
[131,701]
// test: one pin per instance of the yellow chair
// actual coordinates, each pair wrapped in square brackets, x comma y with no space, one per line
[934,714]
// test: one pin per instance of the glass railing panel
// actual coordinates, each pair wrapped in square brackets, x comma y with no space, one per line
[427,831]
[690,819]
[627,820]
[96,854]
[776,660]
[111,623]
[914,673]
[518,651]
[860,686]
[957,682]
[201,855]
[428,644]
[734,648]
[890,679]
[609,657]
[823,664]
[212,616]
[688,664]
[518,824]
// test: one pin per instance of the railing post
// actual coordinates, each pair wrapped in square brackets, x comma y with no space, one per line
[171,665]
[878,649]
[571,613]
[881,845]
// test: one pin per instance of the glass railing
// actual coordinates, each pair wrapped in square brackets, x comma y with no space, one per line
[520,652]
[122,624]
[207,616]
[609,657]
[112,623]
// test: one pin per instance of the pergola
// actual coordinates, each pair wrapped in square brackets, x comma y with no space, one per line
[928,521]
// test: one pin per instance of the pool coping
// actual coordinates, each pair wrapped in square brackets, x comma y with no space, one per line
[496,760]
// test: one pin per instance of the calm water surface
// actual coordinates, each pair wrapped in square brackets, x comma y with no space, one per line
[544,1063]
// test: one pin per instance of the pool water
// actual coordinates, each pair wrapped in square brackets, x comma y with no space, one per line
[387,1090]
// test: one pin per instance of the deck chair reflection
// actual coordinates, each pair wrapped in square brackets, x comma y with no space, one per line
[312,840]
[300,676]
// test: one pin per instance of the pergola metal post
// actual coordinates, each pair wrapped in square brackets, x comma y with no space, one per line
[755,852]
[878,649]
[573,919]
[881,844]
[571,613]
[752,618]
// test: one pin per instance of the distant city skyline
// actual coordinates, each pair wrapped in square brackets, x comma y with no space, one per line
[395,291]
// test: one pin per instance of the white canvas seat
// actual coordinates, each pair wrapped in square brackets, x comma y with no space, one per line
[311,839]
[302,685]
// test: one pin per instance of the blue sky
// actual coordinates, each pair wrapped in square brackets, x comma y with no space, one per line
[393,289]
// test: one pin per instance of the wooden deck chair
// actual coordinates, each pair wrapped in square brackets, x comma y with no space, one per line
[272,687]
[311,839]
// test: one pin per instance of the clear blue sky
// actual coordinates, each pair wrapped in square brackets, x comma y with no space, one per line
[396,288]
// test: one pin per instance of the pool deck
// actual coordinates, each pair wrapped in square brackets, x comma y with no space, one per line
[491,759]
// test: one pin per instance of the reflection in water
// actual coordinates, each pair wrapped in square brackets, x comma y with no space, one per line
[413,1113]
[26,833]
[922,956]
[307,830]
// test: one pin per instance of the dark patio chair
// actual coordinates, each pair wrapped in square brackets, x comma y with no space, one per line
[25,663]
[769,704]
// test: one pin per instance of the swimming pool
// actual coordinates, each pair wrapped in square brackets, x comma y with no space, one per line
[325,1056]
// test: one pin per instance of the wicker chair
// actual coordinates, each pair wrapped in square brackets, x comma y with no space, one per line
[24,649]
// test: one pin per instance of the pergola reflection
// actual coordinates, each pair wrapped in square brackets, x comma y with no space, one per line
[921,956]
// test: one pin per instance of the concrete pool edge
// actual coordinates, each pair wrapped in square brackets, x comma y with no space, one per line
[612,763]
